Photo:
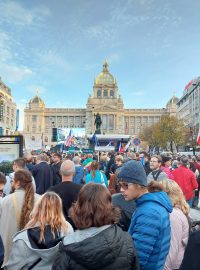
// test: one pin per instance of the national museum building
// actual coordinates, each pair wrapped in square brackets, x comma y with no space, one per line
[105,100]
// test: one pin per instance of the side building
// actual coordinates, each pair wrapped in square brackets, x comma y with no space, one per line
[188,106]
[7,111]
[105,100]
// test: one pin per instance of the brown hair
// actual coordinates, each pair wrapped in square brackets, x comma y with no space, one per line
[173,191]
[25,179]
[48,211]
[20,162]
[94,167]
[94,207]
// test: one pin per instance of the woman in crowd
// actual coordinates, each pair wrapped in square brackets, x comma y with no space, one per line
[15,208]
[37,245]
[166,166]
[178,221]
[98,243]
[96,176]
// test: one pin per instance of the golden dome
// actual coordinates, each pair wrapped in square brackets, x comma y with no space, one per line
[37,101]
[105,77]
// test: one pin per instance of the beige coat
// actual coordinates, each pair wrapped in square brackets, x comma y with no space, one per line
[8,219]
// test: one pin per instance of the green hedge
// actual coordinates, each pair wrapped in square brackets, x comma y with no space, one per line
[6,167]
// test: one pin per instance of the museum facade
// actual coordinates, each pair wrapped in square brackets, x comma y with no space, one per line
[105,100]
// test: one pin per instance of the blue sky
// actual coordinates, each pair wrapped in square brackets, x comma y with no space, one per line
[152,47]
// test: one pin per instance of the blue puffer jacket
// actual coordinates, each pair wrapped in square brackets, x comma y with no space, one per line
[150,229]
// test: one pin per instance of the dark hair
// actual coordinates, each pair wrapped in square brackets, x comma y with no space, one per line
[20,162]
[25,179]
[158,158]
[2,178]
[94,207]
[57,155]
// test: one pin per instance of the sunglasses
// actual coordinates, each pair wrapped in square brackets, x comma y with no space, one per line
[125,185]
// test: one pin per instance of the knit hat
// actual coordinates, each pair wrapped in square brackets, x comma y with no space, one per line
[133,172]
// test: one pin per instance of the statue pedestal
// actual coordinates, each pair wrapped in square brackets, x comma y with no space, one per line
[97,131]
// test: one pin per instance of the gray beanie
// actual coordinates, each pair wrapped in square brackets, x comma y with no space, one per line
[133,172]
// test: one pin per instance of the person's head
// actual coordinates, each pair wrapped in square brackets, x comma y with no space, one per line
[119,160]
[90,156]
[76,160]
[155,162]
[48,211]
[144,155]
[173,191]
[94,207]
[18,164]
[94,165]
[131,155]
[67,170]
[57,158]
[133,180]
[2,183]
[166,161]
[103,158]
[28,158]
[42,157]
[23,180]
[184,161]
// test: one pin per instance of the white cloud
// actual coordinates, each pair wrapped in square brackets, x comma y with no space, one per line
[14,73]
[16,14]
[137,93]
[50,58]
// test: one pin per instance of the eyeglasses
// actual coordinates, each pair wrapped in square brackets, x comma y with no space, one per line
[154,161]
[125,185]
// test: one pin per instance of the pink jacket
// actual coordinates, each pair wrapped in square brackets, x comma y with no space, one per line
[167,171]
[179,237]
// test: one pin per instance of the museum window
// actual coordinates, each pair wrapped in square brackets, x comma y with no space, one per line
[46,139]
[105,93]
[111,93]
[34,118]
[98,93]
[33,138]
[104,121]
[111,121]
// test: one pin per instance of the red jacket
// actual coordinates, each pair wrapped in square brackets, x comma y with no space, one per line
[186,179]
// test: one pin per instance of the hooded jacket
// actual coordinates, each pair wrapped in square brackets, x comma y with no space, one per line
[103,248]
[79,174]
[150,229]
[27,250]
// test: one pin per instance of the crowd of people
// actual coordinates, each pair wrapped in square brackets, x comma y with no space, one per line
[106,211]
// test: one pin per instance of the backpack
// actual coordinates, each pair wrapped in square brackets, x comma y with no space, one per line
[156,174]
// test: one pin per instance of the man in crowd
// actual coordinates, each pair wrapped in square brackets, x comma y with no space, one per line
[67,190]
[79,171]
[18,164]
[57,161]
[150,225]
[43,174]
[186,179]
[156,174]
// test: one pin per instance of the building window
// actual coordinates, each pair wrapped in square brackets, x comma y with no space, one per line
[46,139]
[111,121]
[111,93]
[105,93]
[33,138]
[104,121]
[99,93]
[34,118]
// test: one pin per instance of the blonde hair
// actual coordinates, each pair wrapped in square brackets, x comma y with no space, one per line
[173,191]
[48,211]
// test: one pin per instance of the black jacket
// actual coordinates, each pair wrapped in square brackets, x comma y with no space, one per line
[110,249]
[191,259]
[43,175]
[1,251]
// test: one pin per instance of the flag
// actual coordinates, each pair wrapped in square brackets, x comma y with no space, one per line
[69,138]
[94,139]
[109,144]
[127,145]
[198,137]
[120,147]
